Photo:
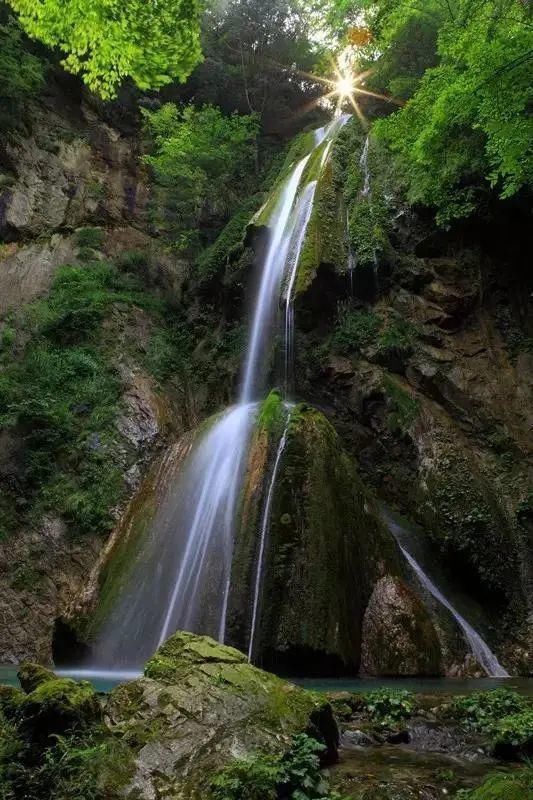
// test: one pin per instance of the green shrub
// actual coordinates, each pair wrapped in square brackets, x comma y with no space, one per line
[481,709]
[397,337]
[389,705]
[512,736]
[7,338]
[404,407]
[355,330]
[85,766]
[251,779]
[294,776]
[133,260]
[61,398]
[90,238]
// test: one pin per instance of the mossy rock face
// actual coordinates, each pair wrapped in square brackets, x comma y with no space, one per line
[199,706]
[56,706]
[398,634]
[325,549]
[465,520]
[33,675]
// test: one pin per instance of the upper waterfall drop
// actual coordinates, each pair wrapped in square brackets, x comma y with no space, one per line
[287,227]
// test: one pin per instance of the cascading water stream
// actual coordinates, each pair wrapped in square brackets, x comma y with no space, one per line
[271,280]
[181,573]
[302,215]
[480,649]
[365,191]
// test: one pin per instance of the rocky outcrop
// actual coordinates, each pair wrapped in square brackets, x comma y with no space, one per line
[26,272]
[73,169]
[432,397]
[398,635]
[41,571]
[199,706]
[325,549]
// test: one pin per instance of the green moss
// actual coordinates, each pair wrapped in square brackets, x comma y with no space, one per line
[366,231]
[33,675]
[317,547]
[325,238]
[184,652]
[467,525]
[272,412]
[229,246]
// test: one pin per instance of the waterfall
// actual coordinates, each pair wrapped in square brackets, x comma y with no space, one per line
[365,191]
[480,649]
[181,575]
[302,216]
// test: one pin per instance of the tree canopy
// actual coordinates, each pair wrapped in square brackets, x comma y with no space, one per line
[465,68]
[202,161]
[106,41]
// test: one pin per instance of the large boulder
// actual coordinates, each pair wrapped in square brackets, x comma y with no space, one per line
[199,706]
[398,634]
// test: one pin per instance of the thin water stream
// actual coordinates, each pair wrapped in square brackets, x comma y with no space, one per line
[477,645]
[263,538]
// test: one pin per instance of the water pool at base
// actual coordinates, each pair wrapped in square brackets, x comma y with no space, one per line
[104,681]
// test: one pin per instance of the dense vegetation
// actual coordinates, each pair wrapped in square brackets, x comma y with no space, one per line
[60,385]
[107,42]
[203,163]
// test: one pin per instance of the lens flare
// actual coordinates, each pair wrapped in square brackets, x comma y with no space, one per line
[344,87]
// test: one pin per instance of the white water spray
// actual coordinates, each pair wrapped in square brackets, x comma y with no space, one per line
[365,191]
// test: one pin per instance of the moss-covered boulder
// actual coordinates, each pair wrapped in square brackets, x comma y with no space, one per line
[33,675]
[323,552]
[199,706]
[56,706]
[398,634]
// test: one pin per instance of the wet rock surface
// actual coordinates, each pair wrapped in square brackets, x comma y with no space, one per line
[398,635]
